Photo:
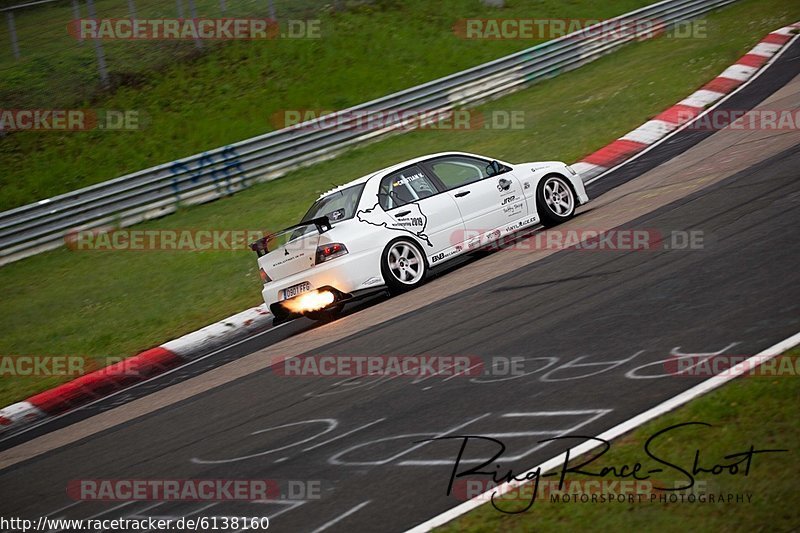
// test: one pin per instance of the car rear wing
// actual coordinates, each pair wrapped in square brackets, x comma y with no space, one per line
[260,246]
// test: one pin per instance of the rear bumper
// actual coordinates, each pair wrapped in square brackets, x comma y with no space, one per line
[347,275]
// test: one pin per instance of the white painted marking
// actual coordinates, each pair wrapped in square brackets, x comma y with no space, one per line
[738,72]
[629,425]
[20,412]
[549,361]
[342,516]
[597,413]
[70,506]
[332,424]
[576,363]
[650,131]
[219,332]
[765,49]
[461,373]
[289,504]
[701,98]
[551,413]
[409,436]
[675,354]
[365,426]
[587,170]
[115,508]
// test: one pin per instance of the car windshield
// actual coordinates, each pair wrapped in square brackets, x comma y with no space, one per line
[337,206]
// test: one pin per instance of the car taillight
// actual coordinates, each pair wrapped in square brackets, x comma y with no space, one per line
[264,276]
[326,252]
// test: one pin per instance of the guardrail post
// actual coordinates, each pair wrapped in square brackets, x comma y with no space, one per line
[132,9]
[76,15]
[102,69]
[272,10]
[193,13]
[222,6]
[12,31]
[179,6]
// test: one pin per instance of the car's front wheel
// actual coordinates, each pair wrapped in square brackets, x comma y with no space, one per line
[555,200]
[403,266]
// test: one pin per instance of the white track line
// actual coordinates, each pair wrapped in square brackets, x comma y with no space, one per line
[630,424]
[705,112]
[328,524]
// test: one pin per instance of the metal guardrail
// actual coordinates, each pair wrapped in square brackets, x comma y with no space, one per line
[157,191]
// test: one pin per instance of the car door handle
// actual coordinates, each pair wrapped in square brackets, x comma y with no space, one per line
[404,213]
[460,194]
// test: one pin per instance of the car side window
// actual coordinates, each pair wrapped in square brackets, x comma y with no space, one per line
[403,187]
[457,171]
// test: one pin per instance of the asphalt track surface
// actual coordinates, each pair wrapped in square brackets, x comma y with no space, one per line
[592,326]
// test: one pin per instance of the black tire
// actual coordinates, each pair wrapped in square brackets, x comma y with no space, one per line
[413,264]
[326,315]
[552,193]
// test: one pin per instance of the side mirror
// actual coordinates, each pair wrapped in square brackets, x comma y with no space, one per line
[494,168]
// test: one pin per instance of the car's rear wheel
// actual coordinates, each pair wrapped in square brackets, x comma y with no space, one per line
[555,200]
[403,266]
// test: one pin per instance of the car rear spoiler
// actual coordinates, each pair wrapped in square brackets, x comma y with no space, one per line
[260,246]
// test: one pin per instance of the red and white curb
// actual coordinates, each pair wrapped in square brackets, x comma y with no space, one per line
[687,109]
[111,379]
[108,380]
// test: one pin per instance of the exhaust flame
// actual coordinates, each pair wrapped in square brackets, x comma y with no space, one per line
[310,301]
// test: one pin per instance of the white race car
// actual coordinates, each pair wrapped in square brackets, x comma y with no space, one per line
[387,230]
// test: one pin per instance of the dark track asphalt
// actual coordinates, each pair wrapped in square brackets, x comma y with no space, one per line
[598,306]
[783,70]
[575,306]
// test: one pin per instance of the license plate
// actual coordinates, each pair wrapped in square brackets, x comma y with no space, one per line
[294,290]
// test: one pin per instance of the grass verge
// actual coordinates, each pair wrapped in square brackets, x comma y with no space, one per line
[750,410]
[99,304]
[194,100]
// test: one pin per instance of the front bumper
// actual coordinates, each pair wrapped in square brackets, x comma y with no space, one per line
[579,187]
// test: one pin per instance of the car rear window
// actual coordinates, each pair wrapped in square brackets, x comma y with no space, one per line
[337,206]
